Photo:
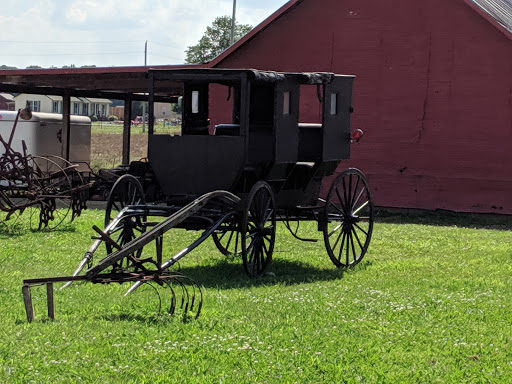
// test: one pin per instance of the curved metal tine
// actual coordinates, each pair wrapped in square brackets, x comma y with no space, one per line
[159,297]
[194,284]
[185,296]
[172,307]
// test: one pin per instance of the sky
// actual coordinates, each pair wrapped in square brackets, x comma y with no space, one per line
[113,32]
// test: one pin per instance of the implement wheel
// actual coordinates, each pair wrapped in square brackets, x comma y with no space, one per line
[50,189]
[258,229]
[126,191]
[348,216]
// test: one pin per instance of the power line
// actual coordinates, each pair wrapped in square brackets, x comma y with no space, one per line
[167,57]
[68,42]
[75,54]
[165,45]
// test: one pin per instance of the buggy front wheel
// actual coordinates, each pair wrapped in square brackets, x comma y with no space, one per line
[258,229]
[126,191]
[348,218]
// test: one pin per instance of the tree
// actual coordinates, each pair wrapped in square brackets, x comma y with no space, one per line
[137,108]
[215,40]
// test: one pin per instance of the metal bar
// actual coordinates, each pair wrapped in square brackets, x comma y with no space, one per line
[46,280]
[173,260]
[49,300]
[169,223]
[27,299]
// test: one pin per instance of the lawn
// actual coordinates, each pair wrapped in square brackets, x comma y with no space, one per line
[430,303]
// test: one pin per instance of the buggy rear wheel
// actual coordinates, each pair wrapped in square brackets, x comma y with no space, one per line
[258,229]
[348,216]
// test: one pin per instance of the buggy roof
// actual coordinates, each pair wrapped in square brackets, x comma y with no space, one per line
[222,74]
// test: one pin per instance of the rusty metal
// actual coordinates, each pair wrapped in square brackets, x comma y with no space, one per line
[45,184]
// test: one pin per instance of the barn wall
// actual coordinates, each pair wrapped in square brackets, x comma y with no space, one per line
[433,94]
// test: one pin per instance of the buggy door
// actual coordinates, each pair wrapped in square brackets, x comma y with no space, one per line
[286,120]
[336,109]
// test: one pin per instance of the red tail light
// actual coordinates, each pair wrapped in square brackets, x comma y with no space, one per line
[357,135]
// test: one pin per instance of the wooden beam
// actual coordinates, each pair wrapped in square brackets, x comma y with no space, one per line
[49,300]
[127,123]
[27,299]
[66,124]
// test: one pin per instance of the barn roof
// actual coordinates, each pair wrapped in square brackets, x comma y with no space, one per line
[498,12]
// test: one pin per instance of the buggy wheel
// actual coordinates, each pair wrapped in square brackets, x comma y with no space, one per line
[258,229]
[227,239]
[125,191]
[348,217]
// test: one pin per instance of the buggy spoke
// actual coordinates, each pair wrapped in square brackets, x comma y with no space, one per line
[361,229]
[357,238]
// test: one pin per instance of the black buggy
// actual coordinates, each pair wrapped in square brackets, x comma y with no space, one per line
[234,175]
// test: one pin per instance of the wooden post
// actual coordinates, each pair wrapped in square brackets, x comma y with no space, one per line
[127,123]
[49,300]
[66,124]
[27,299]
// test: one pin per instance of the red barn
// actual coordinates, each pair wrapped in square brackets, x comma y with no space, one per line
[433,91]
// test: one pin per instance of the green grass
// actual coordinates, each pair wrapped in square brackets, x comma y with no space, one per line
[430,303]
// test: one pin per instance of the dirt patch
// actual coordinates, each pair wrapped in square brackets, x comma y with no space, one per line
[107,149]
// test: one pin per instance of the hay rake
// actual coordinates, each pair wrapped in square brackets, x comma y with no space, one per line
[48,187]
[127,264]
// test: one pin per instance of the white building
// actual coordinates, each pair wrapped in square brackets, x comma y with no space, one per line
[85,106]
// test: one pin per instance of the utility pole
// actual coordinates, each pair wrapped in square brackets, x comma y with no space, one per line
[233,23]
[143,103]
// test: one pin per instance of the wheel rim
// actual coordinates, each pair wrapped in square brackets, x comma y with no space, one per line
[348,215]
[258,229]
[126,191]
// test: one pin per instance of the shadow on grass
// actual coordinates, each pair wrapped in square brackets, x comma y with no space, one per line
[443,218]
[231,275]
[19,229]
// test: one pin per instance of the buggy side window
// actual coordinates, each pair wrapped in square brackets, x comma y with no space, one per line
[195,109]
[286,103]
[195,101]
[334,103]
[225,107]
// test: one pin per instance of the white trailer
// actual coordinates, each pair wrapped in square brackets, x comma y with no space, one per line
[44,135]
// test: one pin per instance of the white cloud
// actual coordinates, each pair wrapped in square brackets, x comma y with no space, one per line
[112,32]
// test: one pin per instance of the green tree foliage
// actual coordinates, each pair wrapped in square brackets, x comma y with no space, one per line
[7,67]
[137,108]
[215,40]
